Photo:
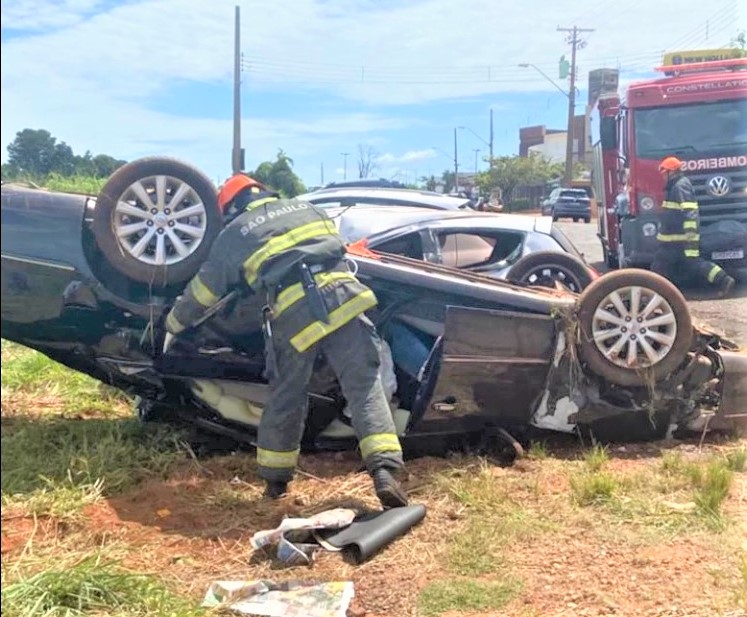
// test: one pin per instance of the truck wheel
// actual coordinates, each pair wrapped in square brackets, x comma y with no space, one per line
[546,268]
[610,258]
[155,220]
[634,327]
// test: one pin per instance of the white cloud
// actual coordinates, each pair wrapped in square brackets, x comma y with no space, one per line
[90,72]
[412,156]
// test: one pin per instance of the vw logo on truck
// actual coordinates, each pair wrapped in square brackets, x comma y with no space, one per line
[719,186]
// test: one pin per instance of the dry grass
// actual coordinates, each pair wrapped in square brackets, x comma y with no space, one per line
[102,516]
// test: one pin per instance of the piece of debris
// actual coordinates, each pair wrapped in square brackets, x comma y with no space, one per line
[270,599]
[295,545]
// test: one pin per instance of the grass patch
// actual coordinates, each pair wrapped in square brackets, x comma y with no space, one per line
[677,495]
[538,451]
[34,384]
[87,185]
[54,465]
[736,460]
[476,550]
[51,461]
[712,484]
[596,458]
[594,488]
[466,595]
[91,587]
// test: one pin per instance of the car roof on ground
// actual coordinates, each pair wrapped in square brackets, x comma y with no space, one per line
[366,221]
[386,197]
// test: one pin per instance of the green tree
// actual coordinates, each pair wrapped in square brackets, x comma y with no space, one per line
[279,175]
[429,182]
[33,152]
[508,172]
[37,153]
[106,165]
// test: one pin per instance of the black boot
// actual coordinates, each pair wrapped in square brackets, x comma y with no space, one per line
[275,490]
[388,490]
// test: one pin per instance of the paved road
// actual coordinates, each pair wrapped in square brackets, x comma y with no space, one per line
[728,315]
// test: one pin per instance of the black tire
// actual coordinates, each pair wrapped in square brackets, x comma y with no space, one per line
[587,220]
[596,295]
[610,258]
[544,268]
[119,188]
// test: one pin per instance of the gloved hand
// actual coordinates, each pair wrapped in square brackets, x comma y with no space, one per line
[168,339]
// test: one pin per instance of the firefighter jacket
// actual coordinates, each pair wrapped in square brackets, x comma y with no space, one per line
[263,248]
[679,224]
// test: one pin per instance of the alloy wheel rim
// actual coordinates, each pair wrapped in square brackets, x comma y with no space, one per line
[634,327]
[159,220]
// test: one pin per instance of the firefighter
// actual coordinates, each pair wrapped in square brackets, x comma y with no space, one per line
[678,249]
[290,252]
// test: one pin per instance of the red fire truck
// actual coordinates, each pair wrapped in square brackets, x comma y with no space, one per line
[697,112]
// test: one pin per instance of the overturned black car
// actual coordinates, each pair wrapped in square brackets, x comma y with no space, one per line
[87,281]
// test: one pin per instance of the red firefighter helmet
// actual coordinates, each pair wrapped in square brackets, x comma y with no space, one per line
[235,185]
[670,163]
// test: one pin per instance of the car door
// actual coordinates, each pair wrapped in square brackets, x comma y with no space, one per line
[489,367]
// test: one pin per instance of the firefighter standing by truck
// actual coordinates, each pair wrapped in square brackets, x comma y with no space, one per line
[678,238]
[291,251]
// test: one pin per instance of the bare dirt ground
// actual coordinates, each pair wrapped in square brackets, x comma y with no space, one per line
[194,527]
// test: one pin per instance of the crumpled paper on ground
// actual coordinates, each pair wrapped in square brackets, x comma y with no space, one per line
[289,599]
[289,535]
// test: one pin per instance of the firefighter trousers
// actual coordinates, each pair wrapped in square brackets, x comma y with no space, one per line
[353,354]
[676,266]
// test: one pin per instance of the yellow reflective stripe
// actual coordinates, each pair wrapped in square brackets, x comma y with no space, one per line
[379,442]
[202,293]
[685,205]
[690,225]
[688,237]
[289,296]
[337,318]
[284,242]
[671,205]
[713,273]
[692,252]
[277,459]
[260,202]
[173,325]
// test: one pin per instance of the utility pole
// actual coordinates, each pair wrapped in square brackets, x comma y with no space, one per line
[237,155]
[456,164]
[322,170]
[576,43]
[345,165]
[491,138]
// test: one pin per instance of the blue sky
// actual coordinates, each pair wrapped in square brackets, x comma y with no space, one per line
[322,77]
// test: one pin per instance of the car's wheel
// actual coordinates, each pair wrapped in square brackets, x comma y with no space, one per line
[155,220]
[634,327]
[546,268]
[587,220]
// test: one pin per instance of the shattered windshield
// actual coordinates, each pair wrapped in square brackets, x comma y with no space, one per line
[698,128]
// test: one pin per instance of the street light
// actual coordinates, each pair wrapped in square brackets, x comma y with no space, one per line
[455,159]
[571,113]
[489,144]
[344,165]
[526,65]
[476,151]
